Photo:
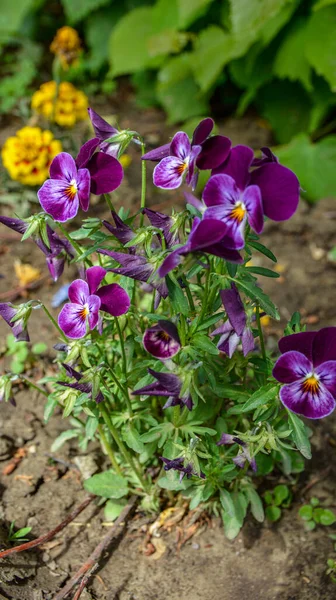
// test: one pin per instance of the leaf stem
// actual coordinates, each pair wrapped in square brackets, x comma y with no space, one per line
[124,365]
[109,450]
[143,182]
[52,320]
[261,335]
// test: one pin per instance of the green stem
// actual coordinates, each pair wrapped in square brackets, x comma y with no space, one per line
[117,382]
[183,416]
[205,297]
[109,450]
[189,295]
[124,365]
[176,415]
[122,447]
[261,335]
[69,238]
[143,183]
[109,202]
[33,385]
[51,318]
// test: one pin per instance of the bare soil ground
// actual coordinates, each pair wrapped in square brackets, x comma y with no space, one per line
[279,561]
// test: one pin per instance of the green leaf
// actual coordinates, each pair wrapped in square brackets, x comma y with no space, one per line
[12,15]
[20,533]
[62,438]
[76,10]
[113,508]
[265,394]
[280,494]
[328,517]
[257,508]
[39,348]
[273,513]
[128,41]
[132,438]
[204,343]
[49,408]
[213,50]
[294,45]
[309,525]
[189,11]
[249,17]
[98,29]
[321,43]
[263,250]
[232,525]
[314,165]
[227,502]
[177,297]
[306,512]
[322,4]
[262,271]
[286,105]
[107,485]
[299,434]
[255,293]
[197,497]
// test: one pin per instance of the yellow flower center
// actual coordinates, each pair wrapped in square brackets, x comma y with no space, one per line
[238,212]
[84,312]
[71,190]
[311,384]
[165,337]
[181,168]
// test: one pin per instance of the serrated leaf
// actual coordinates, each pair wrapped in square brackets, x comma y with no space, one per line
[107,485]
[300,436]
[320,45]
[263,250]
[255,293]
[204,343]
[132,438]
[260,397]
[213,50]
[177,297]
[135,26]
[294,45]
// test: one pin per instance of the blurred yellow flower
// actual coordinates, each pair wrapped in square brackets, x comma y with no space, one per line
[25,273]
[28,154]
[71,104]
[125,160]
[67,46]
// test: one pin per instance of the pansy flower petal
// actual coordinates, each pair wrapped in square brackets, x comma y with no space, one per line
[207,232]
[106,173]
[253,203]
[324,345]
[171,262]
[94,277]
[93,306]
[86,152]
[168,174]
[247,341]
[73,321]
[292,366]
[180,146]
[305,403]
[159,343]
[234,309]
[301,342]
[221,190]
[83,188]
[158,153]
[63,166]
[192,177]
[237,165]
[79,292]
[58,199]
[202,131]
[102,128]
[327,375]
[215,151]
[280,190]
[221,249]
[114,299]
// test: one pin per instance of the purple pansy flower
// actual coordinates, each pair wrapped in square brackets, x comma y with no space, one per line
[18,327]
[85,387]
[243,455]
[180,156]
[162,341]
[234,329]
[279,187]
[66,190]
[56,254]
[209,236]
[82,312]
[103,131]
[121,231]
[177,464]
[234,207]
[163,222]
[139,268]
[307,367]
[167,385]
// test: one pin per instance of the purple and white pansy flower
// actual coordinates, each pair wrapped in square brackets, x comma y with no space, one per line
[18,326]
[162,340]
[235,329]
[235,207]
[307,367]
[167,385]
[66,190]
[81,314]
[278,186]
[244,454]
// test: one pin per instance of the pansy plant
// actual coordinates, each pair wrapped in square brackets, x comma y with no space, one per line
[161,355]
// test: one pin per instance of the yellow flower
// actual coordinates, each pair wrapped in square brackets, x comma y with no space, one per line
[71,104]
[66,45]
[28,154]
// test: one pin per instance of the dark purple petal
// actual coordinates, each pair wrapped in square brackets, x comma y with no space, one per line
[292,366]
[253,203]
[72,320]
[202,131]
[234,238]
[234,309]
[157,154]
[247,341]
[220,249]
[93,305]
[106,173]
[55,266]
[324,346]
[83,188]
[79,292]
[215,151]
[114,299]
[58,200]
[86,152]
[267,156]
[192,177]
[94,277]
[133,266]
[170,262]
[121,231]
[164,223]
[228,343]
[169,385]
[71,372]
[221,190]
[7,312]
[237,165]
[327,375]
[301,342]
[169,328]
[168,174]
[280,190]
[226,439]
[180,146]
[208,231]
[63,166]
[239,460]
[16,224]
[305,403]
[103,130]
[162,341]
[191,199]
